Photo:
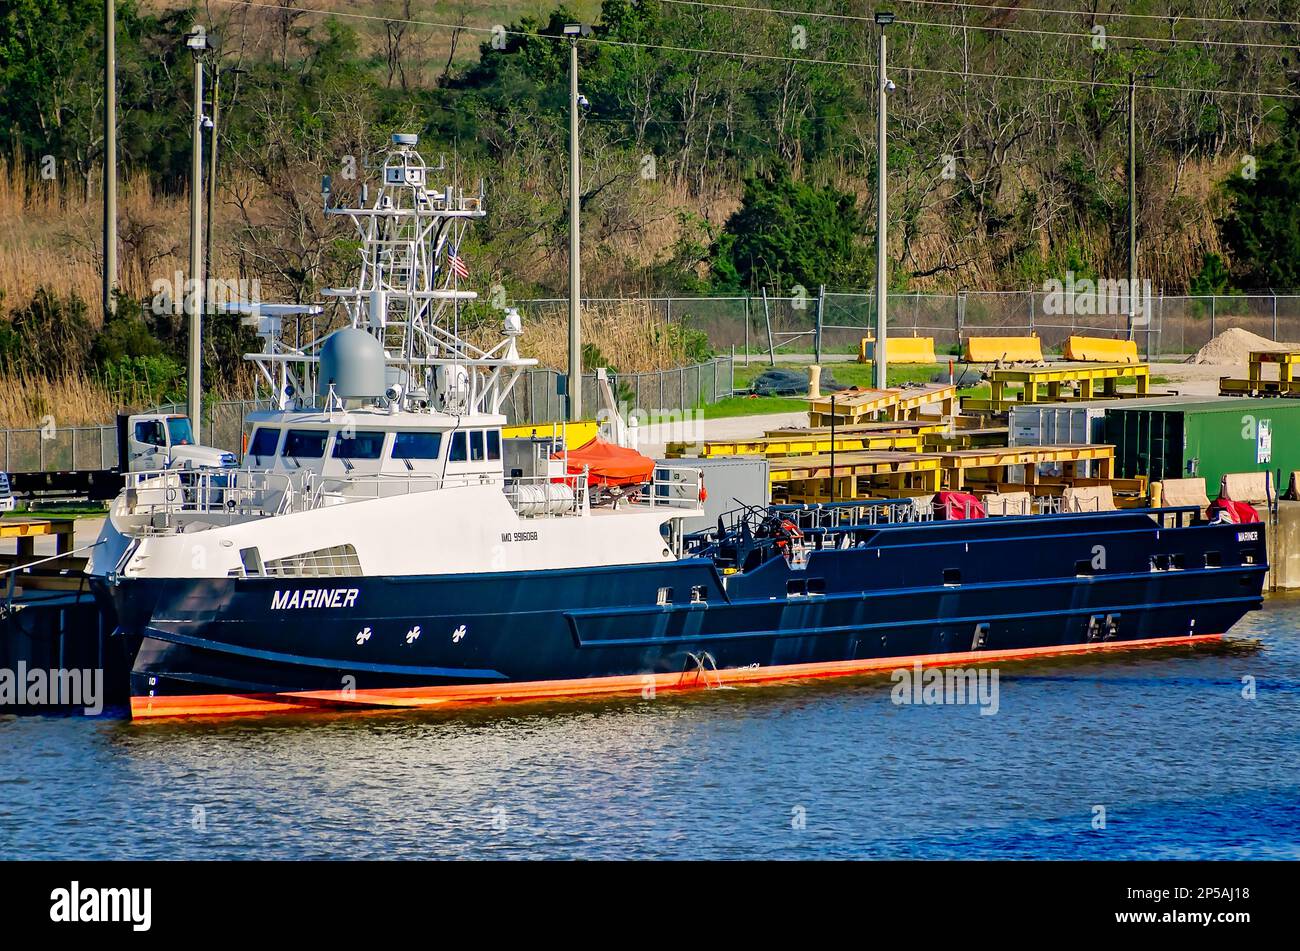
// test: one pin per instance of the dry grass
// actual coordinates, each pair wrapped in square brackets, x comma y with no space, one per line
[72,400]
[50,236]
[630,335]
[46,232]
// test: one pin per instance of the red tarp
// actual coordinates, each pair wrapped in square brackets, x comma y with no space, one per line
[961,505]
[1240,513]
[608,464]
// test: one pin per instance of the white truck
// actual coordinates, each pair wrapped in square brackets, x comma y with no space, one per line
[145,441]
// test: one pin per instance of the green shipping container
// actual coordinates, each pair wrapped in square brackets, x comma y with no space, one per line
[1207,440]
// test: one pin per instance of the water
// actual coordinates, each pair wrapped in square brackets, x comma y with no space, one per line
[1183,764]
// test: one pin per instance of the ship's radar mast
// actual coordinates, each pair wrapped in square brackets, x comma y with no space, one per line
[407,295]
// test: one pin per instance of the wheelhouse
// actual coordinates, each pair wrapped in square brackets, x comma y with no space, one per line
[364,443]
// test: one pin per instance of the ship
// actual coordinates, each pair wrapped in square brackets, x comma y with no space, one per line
[388,543]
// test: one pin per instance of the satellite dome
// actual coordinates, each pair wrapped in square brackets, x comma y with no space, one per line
[353,361]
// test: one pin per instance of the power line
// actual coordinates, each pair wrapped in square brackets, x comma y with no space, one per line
[1245,44]
[499,30]
[743,8]
[1093,14]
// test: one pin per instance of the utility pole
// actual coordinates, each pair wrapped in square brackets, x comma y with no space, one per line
[110,156]
[574,385]
[1132,203]
[883,19]
[198,44]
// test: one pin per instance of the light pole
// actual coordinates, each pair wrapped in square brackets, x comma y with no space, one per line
[198,44]
[883,19]
[110,157]
[574,385]
[1132,204]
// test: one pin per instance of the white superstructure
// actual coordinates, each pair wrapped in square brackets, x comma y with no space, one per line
[384,454]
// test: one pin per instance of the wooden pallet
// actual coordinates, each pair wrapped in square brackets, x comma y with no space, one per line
[1057,382]
[853,475]
[26,530]
[966,439]
[1256,385]
[991,459]
[780,447]
[851,407]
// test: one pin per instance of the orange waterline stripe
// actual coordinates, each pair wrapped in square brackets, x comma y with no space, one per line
[144,707]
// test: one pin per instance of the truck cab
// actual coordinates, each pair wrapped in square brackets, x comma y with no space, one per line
[151,441]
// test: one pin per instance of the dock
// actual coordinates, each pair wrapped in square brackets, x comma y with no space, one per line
[49,620]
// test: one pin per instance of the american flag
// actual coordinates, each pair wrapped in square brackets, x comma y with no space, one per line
[458,265]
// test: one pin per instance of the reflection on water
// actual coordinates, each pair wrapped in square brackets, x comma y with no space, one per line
[1183,765]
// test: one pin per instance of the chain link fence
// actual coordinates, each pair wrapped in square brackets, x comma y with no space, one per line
[536,398]
[831,322]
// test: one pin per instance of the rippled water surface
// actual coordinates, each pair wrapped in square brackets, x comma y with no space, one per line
[1183,764]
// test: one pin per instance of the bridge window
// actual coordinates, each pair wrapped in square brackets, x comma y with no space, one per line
[1213,559]
[417,445]
[477,447]
[816,586]
[493,444]
[305,443]
[796,588]
[359,446]
[458,453]
[952,576]
[264,441]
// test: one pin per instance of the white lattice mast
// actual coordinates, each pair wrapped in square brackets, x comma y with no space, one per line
[406,288]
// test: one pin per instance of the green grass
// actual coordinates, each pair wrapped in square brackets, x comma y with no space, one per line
[744,406]
[62,510]
[849,374]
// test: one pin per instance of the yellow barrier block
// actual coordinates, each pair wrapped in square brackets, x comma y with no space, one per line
[901,350]
[1101,350]
[575,434]
[1004,349]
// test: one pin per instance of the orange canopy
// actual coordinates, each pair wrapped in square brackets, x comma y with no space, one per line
[608,464]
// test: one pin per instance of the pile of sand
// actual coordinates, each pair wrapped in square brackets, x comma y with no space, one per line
[1233,347]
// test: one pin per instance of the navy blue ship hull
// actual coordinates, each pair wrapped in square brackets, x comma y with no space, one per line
[995,587]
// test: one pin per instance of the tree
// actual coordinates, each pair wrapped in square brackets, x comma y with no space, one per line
[1263,228]
[788,232]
